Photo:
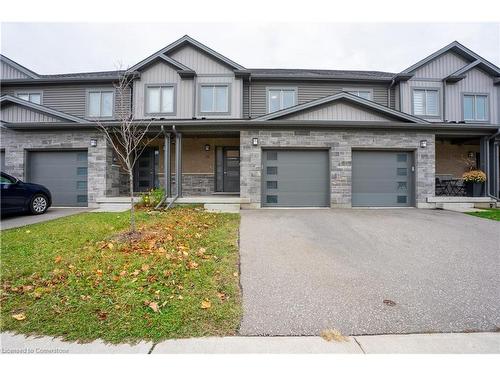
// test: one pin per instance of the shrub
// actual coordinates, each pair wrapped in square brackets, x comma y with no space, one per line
[151,198]
[474,176]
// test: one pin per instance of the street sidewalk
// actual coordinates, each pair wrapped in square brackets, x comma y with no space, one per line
[445,343]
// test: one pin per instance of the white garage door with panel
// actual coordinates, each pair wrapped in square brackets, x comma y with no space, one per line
[64,173]
[295,178]
[383,179]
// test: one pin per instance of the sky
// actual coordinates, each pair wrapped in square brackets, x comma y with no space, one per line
[49,48]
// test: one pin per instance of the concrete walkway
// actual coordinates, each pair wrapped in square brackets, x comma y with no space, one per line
[445,343]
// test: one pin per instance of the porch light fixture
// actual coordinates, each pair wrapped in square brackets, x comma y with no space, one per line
[471,155]
[207,147]
[93,142]
[423,143]
[255,141]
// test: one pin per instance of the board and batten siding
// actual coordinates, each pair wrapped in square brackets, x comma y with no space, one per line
[9,72]
[478,82]
[199,61]
[19,114]
[70,99]
[163,73]
[337,112]
[308,91]
[407,95]
[441,67]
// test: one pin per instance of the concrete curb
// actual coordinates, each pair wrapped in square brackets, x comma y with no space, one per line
[437,343]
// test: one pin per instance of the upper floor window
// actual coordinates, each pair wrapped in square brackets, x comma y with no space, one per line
[426,102]
[160,99]
[365,94]
[475,107]
[281,98]
[100,103]
[33,97]
[214,98]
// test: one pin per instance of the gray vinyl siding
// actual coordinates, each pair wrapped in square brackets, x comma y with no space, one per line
[307,91]
[17,113]
[441,67]
[246,100]
[476,82]
[337,112]
[163,73]
[69,99]
[392,103]
[9,72]
[199,61]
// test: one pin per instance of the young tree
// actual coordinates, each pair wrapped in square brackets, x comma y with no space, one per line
[129,137]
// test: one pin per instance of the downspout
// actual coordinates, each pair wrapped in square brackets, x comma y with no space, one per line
[444,100]
[250,96]
[488,165]
[166,168]
[178,166]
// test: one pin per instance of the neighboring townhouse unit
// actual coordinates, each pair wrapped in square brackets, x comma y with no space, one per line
[264,137]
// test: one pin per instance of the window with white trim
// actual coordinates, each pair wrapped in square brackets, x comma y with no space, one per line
[214,98]
[33,97]
[475,107]
[281,98]
[365,94]
[426,102]
[160,99]
[100,103]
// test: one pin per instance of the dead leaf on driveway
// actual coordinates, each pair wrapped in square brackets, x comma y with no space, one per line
[333,335]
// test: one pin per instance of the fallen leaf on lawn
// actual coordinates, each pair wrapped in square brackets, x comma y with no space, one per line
[222,296]
[20,316]
[145,267]
[110,245]
[58,259]
[169,237]
[201,251]
[180,297]
[185,253]
[154,306]
[235,274]
[84,298]
[37,295]
[192,265]
[333,335]
[102,315]
[135,273]
[99,272]
[206,304]
[28,231]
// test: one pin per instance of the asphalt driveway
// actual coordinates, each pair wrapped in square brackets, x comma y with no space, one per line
[303,271]
[52,213]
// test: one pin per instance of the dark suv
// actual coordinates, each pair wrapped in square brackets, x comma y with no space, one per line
[18,197]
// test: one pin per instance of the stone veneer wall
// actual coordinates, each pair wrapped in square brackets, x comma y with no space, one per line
[340,143]
[101,177]
[194,184]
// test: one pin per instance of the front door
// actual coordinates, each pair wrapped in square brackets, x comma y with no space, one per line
[145,170]
[231,160]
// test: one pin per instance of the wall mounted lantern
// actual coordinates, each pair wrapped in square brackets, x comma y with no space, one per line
[255,141]
[471,155]
[93,142]
[423,143]
[207,147]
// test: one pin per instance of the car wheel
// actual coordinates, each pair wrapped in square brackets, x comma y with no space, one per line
[39,204]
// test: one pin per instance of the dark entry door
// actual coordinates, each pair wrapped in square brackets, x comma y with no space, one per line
[145,170]
[231,169]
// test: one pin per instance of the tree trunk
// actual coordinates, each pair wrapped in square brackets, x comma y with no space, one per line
[132,213]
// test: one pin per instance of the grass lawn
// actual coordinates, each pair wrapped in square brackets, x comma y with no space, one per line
[491,213]
[76,278]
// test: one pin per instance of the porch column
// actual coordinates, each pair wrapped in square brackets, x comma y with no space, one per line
[483,160]
[166,165]
[178,164]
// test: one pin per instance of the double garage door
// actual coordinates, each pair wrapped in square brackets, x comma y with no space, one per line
[64,173]
[301,178]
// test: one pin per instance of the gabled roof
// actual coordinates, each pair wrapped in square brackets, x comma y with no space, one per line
[457,48]
[4,99]
[186,39]
[348,97]
[322,74]
[19,67]
[460,73]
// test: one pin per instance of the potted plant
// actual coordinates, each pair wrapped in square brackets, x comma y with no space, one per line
[474,182]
